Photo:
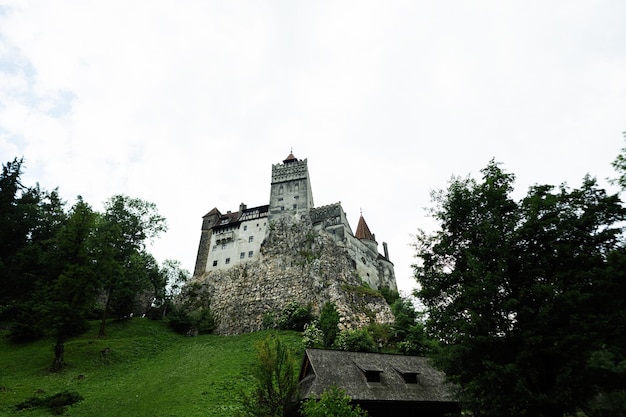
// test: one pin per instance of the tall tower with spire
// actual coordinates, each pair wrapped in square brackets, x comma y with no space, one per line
[291,188]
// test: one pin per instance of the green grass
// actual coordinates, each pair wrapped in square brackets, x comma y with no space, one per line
[149,371]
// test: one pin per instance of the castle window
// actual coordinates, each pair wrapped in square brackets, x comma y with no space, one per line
[250,254]
[214,263]
[280,190]
[295,206]
[282,208]
[296,187]
[251,239]
[227,261]
[245,228]
[223,245]
[242,255]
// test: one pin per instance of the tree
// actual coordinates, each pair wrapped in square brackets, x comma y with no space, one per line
[30,219]
[276,384]
[409,329]
[123,230]
[514,291]
[332,403]
[329,323]
[72,294]
[168,285]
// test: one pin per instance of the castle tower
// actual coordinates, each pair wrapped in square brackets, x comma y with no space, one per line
[291,188]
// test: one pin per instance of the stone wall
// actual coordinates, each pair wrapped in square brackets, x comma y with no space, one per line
[297,264]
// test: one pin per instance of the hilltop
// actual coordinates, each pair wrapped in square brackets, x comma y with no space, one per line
[148,371]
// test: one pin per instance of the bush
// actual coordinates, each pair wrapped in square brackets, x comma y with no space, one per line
[275,382]
[358,340]
[332,402]
[329,323]
[294,316]
[57,403]
[197,322]
[313,336]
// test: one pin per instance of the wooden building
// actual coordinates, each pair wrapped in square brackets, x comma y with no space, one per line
[383,385]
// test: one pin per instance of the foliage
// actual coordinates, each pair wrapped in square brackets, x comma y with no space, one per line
[519,293]
[356,340]
[332,403]
[294,316]
[124,228]
[409,331]
[620,166]
[54,264]
[200,321]
[390,295]
[361,290]
[312,336]
[57,403]
[329,323]
[276,384]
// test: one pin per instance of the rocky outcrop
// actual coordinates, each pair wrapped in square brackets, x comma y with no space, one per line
[298,264]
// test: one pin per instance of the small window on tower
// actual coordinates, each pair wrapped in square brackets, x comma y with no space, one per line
[245,228]
[214,263]
[242,255]
[227,261]
[250,254]
[251,239]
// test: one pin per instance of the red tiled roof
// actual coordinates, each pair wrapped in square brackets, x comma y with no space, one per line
[290,158]
[362,231]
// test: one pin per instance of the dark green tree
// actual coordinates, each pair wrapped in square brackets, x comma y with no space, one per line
[514,291]
[29,220]
[72,295]
[329,323]
[275,381]
[409,330]
[123,231]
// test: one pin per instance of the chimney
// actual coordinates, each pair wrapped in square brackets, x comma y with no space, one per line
[242,207]
[386,250]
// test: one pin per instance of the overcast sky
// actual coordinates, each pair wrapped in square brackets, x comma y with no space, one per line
[189,103]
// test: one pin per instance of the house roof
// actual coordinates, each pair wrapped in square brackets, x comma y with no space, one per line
[362,231]
[401,378]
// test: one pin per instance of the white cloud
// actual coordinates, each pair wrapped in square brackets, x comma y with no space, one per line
[188,104]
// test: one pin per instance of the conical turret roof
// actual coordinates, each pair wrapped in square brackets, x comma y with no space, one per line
[290,158]
[362,231]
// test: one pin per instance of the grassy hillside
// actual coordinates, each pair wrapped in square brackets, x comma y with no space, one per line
[149,371]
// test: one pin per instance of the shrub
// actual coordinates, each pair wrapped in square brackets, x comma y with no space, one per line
[332,402]
[313,336]
[197,322]
[294,316]
[275,381]
[329,323]
[358,340]
[57,403]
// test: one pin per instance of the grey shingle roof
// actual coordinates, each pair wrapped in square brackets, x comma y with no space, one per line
[347,370]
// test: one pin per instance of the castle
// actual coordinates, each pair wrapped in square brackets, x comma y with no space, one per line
[254,262]
[234,238]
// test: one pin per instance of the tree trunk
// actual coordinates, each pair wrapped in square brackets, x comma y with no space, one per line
[105,313]
[59,354]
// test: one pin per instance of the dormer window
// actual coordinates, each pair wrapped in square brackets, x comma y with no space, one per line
[409,376]
[370,371]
